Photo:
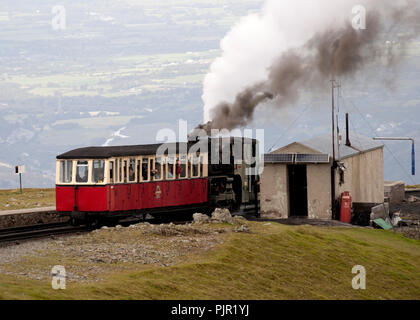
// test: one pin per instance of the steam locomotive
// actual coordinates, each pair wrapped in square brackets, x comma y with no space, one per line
[94,184]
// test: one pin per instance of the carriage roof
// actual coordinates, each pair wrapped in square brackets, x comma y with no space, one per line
[120,151]
[132,150]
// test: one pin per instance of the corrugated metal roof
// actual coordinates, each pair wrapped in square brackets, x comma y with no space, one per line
[359,144]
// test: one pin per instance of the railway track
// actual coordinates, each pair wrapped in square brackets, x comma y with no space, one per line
[39,231]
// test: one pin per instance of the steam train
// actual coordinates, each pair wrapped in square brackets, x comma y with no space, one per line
[94,184]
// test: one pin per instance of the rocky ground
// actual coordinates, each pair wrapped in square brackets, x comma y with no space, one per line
[409,211]
[94,256]
[89,257]
[409,208]
[27,219]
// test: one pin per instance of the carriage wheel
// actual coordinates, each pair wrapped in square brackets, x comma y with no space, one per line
[75,222]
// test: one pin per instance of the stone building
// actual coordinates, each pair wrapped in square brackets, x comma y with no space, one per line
[296,180]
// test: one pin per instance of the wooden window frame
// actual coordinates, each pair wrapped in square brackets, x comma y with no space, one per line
[187,175]
[104,179]
[108,171]
[135,170]
[58,172]
[193,157]
[148,169]
[173,157]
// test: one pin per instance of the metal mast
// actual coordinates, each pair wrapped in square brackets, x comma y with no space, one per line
[334,165]
[332,119]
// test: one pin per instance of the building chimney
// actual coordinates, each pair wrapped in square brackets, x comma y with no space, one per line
[348,143]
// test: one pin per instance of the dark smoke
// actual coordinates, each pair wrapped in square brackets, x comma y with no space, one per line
[334,53]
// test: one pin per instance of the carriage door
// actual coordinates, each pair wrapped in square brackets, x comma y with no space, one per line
[112,180]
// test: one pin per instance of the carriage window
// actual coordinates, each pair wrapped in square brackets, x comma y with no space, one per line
[152,169]
[171,168]
[145,169]
[82,171]
[116,171]
[183,164]
[66,170]
[195,167]
[164,163]
[201,166]
[98,171]
[158,169]
[124,169]
[111,171]
[131,170]
[254,155]
[119,170]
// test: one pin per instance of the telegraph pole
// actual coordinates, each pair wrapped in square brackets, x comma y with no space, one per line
[334,165]
[332,119]
[334,85]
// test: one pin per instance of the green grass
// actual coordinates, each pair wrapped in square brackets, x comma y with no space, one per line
[30,198]
[272,262]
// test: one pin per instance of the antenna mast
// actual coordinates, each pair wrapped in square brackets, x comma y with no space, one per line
[332,120]
[334,85]
[334,165]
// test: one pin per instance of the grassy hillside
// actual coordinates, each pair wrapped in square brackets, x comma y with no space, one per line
[30,198]
[273,261]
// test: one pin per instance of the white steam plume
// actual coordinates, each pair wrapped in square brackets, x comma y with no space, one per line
[251,47]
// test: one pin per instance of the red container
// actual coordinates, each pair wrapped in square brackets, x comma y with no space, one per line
[345,210]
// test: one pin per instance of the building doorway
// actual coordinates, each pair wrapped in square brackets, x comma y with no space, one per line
[298,191]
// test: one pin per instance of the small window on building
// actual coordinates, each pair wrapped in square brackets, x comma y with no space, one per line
[132,170]
[98,171]
[82,171]
[66,171]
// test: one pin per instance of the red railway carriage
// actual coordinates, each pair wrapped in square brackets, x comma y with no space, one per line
[111,182]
